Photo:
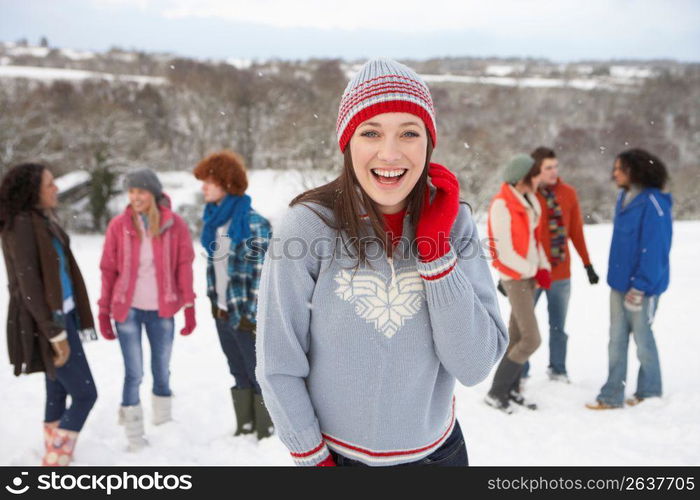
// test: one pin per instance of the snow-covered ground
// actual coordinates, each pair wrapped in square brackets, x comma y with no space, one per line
[503,75]
[562,432]
[72,179]
[51,74]
[613,82]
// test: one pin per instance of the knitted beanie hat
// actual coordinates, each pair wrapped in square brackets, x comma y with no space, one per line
[144,178]
[384,86]
[517,168]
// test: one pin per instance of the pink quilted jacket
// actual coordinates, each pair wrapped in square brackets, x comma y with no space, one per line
[173,255]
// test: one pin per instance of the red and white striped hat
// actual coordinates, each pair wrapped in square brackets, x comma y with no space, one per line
[384,86]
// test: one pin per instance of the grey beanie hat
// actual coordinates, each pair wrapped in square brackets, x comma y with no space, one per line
[517,168]
[144,178]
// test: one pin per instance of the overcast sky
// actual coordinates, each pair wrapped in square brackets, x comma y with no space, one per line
[561,30]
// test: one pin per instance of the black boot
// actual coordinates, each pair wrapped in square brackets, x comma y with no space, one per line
[516,396]
[506,374]
[263,422]
[243,407]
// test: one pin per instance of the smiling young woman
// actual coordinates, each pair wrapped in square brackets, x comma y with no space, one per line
[49,313]
[388,157]
[146,270]
[359,368]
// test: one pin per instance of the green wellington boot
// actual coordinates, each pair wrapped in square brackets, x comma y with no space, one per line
[263,422]
[243,407]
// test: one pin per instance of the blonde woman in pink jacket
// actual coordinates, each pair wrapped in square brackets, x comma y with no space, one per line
[146,278]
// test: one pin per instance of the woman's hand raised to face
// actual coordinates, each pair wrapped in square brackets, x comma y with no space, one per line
[437,219]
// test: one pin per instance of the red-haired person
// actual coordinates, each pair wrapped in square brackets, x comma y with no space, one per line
[235,238]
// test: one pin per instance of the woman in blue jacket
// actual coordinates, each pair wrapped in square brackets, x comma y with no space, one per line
[638,273]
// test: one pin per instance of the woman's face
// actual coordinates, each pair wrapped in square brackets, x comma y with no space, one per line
[140,199]
[388,156]
[48,191]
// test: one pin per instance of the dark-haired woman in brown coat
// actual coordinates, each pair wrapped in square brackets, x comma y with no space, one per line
[49,310]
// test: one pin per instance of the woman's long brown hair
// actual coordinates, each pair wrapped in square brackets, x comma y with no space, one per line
[347,200]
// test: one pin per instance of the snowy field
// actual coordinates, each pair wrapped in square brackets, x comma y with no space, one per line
[562,432]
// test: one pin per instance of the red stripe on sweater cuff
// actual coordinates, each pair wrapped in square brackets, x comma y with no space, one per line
[438,276]
[308,453]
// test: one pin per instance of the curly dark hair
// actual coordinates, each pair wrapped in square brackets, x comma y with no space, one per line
[644,168]
[19,191]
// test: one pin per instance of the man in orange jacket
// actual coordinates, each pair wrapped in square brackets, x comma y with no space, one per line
[560,222]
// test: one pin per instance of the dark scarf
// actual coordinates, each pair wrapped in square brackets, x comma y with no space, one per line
[233,207]
[555,224]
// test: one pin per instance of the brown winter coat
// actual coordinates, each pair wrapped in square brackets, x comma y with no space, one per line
[36,298]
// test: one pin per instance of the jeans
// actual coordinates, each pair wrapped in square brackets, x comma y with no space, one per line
[73,379]
[622,322]
[452,453]
[239,348]
[557,307]
[160,332]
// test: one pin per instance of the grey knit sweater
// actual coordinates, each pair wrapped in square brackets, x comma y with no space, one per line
[366,364]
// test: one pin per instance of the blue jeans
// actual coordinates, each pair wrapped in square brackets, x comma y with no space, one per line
[622,322]
[160,332]
[239,348]
[557,307]
[452,453]
[73,379]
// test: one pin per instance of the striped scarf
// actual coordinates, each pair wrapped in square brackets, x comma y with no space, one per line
[555,224]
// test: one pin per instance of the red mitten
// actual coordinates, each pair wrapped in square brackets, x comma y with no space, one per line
[327,462]
[436,220]
[106,326]
[190,322]
[544,279]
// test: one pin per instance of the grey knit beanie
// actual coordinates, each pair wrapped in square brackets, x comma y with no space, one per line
[517,168]
[144,178]
[384,86]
